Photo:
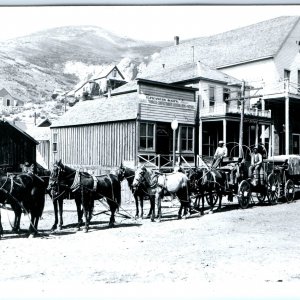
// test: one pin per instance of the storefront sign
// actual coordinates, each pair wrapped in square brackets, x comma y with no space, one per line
[169,102]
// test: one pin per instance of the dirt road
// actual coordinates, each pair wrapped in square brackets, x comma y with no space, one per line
[232,252]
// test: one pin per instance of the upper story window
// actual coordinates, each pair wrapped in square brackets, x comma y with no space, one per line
[114,72]
[54,141]
[286,74]
[211,98]
[226,94]
[146,136]
[187,134]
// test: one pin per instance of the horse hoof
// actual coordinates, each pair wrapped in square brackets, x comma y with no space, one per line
[85,230]
[60,227]
[179,218]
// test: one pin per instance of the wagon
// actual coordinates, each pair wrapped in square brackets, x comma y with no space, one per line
[286,175]
[265,188]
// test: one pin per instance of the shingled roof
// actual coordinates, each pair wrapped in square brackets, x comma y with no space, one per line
[118,108]
[190,72]
[250,43]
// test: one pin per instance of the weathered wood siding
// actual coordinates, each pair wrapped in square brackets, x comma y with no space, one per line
[44,148]
[15,148]
[165,92]
[160,113]
[99,147]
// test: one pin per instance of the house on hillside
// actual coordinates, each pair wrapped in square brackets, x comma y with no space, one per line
[266,55]
[107,80]
[16,147]
[8,103]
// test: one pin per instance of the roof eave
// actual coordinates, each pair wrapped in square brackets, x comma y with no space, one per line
[245,62]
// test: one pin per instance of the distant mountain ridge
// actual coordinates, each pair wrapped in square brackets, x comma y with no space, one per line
[33,66]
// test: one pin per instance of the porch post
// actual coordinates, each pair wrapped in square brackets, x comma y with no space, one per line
[200,137]
[225,131]
[256,133]
[287,124]
[263,128]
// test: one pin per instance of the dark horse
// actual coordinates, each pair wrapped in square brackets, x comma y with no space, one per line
[197,188]
[214,183]
[24,193]
[139,193]
[86,188]
[160,185]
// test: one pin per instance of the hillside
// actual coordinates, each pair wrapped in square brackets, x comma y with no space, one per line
[32,67]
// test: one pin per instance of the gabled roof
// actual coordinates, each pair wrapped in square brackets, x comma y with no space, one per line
[4,92]
[190,72]
[20,130]
[106,72]
[118,108]
[255,42]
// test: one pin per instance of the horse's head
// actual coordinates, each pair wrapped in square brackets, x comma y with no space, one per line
[121,172]
[55,174]
[139,177]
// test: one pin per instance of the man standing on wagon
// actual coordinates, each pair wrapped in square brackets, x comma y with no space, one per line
[256,164]
[221,152]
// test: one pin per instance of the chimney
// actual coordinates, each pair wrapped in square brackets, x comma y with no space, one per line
[176,40]
[199,68]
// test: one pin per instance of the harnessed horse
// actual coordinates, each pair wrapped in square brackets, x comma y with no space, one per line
[24,192]
[159,185]
[85,189]
[139,192]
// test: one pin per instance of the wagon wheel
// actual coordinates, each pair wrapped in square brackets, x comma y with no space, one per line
[244,194]
[289,191]
[273,188]
[211,198]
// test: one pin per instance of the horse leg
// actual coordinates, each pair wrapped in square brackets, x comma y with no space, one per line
[142,206]
[17,221]
[54,227]
[79,212]
[202,208]
[158,198]
[61,210]
[136,198]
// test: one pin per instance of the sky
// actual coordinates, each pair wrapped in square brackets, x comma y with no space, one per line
[149,23]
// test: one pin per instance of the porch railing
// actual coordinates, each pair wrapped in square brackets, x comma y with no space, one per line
[222,109]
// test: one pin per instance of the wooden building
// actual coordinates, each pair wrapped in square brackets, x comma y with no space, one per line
[266,55]
[135,125]
[16,147]
[219,100]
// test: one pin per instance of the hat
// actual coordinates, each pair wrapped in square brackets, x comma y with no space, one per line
[255,147]
[221,142]
[27,164]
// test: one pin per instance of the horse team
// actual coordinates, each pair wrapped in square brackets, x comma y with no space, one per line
[26,192]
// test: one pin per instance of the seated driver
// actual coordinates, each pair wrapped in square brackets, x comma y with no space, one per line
[220,153]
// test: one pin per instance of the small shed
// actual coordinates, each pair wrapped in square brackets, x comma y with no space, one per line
[16,147]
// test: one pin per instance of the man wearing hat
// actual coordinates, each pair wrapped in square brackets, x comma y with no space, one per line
[256,164]
[220,153]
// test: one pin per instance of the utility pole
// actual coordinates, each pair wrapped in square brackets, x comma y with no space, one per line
[242,119]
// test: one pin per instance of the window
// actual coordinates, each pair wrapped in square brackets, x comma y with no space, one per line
[54,143]
[187,134]
[146,136]
[286,74]
[211,98]
[7,102]
[114,72]
[226,94]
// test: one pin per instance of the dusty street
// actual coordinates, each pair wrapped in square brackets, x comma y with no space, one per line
[219,254]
